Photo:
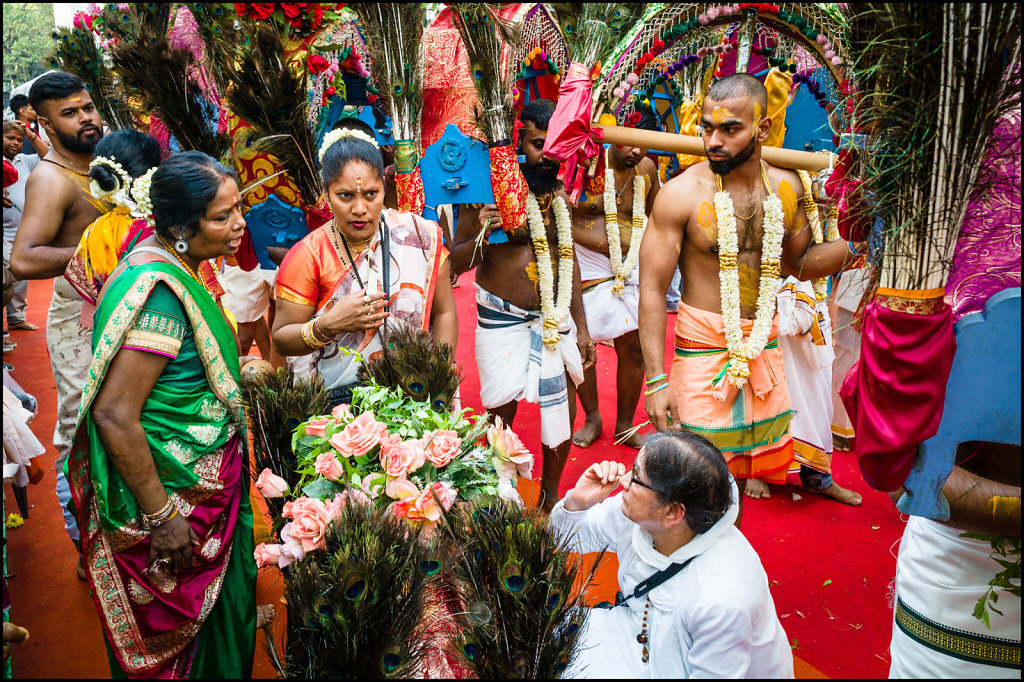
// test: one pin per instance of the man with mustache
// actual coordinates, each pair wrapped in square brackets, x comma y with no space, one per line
[512,361]
[711,220]
[611,305]
[58,208]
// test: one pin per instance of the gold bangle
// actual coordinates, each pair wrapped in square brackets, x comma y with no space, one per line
[319,335]
[163,510]
[309,339]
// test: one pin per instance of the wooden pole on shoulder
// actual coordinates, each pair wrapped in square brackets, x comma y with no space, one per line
[687,144]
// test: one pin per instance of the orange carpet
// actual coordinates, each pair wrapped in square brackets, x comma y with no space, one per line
[829,565]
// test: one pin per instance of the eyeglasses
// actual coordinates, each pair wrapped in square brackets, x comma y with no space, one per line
[636,479]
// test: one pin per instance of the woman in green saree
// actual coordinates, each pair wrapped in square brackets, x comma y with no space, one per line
[157,469]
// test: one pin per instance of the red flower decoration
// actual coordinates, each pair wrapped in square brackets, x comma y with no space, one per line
[371,98]
[293,10]
[256,10]
[317,64]
[330,92]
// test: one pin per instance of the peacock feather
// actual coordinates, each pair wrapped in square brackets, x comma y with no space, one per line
[521,617]
[276,403]
[422,368]
[357,606]
[76,52]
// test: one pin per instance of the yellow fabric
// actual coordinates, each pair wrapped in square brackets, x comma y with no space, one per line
[778,84]
[103,240]
[231,320]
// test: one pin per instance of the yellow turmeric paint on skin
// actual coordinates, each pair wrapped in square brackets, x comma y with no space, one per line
[707,221]
[750,279]
[721,113]
[532,273]
[679,248]
[788,198]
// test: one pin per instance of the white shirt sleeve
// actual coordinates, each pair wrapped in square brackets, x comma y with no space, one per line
[601,527]
[722,636]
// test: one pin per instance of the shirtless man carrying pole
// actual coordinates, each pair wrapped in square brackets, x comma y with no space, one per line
[611,314]
[512,360]
[735,398]
[58,208]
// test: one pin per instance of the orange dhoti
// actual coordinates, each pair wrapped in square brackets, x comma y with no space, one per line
[749,425]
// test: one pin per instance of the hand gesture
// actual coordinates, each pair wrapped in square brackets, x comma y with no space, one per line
[173,542]
[661,409]
[588,350]
[357,311]
[489,218]
[596,483]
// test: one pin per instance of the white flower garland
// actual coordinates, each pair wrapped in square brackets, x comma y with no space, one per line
[140,193]
[552,310]
[620,268]
[119,193]
[335,135]
[814,218]
[740,353]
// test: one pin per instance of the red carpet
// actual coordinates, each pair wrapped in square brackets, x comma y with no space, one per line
[830,565]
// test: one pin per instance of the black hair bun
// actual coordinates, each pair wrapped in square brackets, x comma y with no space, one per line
[105,176]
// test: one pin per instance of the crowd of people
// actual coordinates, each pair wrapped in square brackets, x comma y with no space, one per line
[152,318]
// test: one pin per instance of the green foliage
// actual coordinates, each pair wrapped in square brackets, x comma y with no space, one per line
[1008,579]
[27,29]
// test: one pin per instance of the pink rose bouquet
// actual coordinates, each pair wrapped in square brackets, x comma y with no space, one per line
[360,436]
[271,486]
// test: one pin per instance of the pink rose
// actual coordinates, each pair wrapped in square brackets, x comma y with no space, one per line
[403,458]
[442,448]
[270,485]
[267,554]
[342,413]
[372,485]
[511,456]
[401,488]
[359,437]
[328,466]
[318,427]
[309,522]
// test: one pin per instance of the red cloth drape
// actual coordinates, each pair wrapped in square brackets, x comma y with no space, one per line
[509,185]
[570,140]
[896,392]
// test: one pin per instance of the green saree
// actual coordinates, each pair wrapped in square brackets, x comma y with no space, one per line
[199,621]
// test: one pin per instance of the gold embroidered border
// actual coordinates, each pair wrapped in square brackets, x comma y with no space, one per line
[154,341]
[967,646]
[911,301]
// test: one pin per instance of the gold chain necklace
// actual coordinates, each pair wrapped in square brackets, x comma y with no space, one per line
[169,249]
[357,248]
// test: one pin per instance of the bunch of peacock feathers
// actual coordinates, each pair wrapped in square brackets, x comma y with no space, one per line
[593,29]
[159,75]
[515,577]
[421,367]
[936,78]
[277,402]
[268,92]
[76,52]
[355,609]
[394,32]
[484,33]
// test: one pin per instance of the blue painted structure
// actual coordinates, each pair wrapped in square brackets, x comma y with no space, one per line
[457,170]
[274,223]
[982,401]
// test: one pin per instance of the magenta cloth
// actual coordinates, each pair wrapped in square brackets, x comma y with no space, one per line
[896,391]
[570,139]
[987,255]
[166,620]
[845,190]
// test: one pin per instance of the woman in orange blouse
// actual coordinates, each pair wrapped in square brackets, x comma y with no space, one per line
[368,270]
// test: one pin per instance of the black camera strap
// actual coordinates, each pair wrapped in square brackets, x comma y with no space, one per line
[645,586]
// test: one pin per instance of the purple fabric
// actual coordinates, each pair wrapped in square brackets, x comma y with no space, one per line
[987,255]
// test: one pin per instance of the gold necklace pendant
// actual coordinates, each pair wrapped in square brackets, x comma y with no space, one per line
[181,260]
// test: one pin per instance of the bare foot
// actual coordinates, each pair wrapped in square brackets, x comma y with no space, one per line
[26,325]
[840,494]
[589,432]
[635,441]
[264,615]
[840,443]
[757,490]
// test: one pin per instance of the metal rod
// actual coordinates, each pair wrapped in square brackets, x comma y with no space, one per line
[688,144]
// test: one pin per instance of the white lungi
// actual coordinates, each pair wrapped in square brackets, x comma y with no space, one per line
[514,363]
[939,578]
[846,342]
[247,294]
[608,316]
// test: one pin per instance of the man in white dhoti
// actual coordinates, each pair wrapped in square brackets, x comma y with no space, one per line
[805,337]
[607,229]
[698,602]
[531,336]
[58,208]
[941,575]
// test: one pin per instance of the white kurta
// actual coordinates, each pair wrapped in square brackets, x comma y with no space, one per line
[714,619]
